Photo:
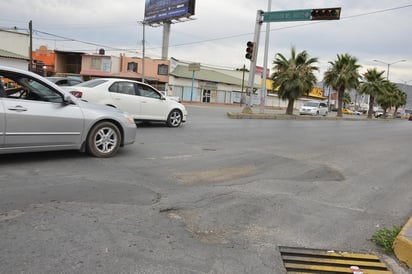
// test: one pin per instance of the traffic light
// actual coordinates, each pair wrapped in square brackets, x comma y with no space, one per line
[325,14]
[250,51]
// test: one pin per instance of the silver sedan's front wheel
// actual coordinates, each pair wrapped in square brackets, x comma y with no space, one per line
[175,118]
[103,140]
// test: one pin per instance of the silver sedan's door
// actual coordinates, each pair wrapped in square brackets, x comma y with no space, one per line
[2,123]
[42,124]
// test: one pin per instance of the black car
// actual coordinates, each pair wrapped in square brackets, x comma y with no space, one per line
[64,81]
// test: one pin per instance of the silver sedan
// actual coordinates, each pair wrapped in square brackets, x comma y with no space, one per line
[37,115]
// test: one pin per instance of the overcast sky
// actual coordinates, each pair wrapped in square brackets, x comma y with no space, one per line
[368,30]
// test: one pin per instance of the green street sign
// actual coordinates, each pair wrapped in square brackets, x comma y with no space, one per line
[287,15]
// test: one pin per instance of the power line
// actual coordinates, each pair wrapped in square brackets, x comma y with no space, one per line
[291,27]
[67,39]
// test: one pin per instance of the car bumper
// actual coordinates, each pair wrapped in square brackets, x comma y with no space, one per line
[130,131]
[307,112]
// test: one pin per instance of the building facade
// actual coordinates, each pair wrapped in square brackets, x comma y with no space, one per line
[191,82]
[14,49]
[212,85]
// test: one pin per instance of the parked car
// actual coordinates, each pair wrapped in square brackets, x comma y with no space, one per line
[378,113]
[356,112]
[64,81]
[407,113]
[143,102]
[313,108]
[347,111]
[410,117]
[38,115]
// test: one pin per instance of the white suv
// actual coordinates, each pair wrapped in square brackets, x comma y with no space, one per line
[143,102]
[313,108]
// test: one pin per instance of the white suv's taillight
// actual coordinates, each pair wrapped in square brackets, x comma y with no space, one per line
[77,94]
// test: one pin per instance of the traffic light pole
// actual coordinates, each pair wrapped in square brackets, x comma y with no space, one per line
[263,91]
[252,68]
[277,16]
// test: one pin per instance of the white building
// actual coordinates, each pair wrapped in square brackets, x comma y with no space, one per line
[14,49]
[216,85]
[207,85]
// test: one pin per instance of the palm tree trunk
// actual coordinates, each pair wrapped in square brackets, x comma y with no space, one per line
[289,110]
[371,103]
[340,102]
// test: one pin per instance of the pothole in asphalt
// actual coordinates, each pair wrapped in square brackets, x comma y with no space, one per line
[323,173]
[191,221]
[215,175]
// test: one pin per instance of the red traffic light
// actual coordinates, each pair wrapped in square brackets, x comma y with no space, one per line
[326,14]
[250,51]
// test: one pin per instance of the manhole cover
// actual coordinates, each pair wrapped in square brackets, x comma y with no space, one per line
[305,261]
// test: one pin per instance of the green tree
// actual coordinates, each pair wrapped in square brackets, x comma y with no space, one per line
[390,97]
[373,85]
[342,75]
[401,100]
[346,99]
[293,77]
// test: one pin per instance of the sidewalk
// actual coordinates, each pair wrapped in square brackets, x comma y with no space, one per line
[403,244]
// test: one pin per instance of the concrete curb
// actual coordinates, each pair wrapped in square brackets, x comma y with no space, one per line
[239,115]
[403,244]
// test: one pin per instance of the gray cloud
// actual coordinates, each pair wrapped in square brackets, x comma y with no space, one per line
[221,29]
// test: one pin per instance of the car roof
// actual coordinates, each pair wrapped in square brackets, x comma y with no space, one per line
[120,79]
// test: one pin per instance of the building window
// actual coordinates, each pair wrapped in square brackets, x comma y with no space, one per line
[132,66]
[96,63]
[162,69]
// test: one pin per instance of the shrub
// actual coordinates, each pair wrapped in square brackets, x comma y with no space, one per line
[385,238]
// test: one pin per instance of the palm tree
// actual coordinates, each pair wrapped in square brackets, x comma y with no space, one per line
[346,99]
[293,77]
[341,76]
[391,97]
[373,85]
[401,100]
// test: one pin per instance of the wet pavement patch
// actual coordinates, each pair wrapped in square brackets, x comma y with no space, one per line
[305,261]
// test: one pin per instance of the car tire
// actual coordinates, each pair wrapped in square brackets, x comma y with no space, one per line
[174,119]
[103,140]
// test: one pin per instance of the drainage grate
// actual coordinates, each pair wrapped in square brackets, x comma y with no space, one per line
[305,261]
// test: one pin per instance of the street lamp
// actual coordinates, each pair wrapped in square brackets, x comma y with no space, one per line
[389,64]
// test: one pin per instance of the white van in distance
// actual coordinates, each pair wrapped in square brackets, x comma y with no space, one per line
[313,108]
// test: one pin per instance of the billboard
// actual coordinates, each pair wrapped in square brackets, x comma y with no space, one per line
[162,10]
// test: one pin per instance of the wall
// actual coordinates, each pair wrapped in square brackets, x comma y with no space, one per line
[15,63]
[150,68]
[15,42]
[107,65]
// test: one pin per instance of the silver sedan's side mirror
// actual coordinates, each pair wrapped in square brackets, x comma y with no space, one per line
[67,99]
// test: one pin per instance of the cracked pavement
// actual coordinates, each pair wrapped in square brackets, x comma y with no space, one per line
[214,196]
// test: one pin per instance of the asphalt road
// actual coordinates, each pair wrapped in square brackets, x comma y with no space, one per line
[216,195]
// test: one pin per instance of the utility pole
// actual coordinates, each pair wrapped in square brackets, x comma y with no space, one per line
[31,45]
[265,64]
[143,48]
[252,69]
